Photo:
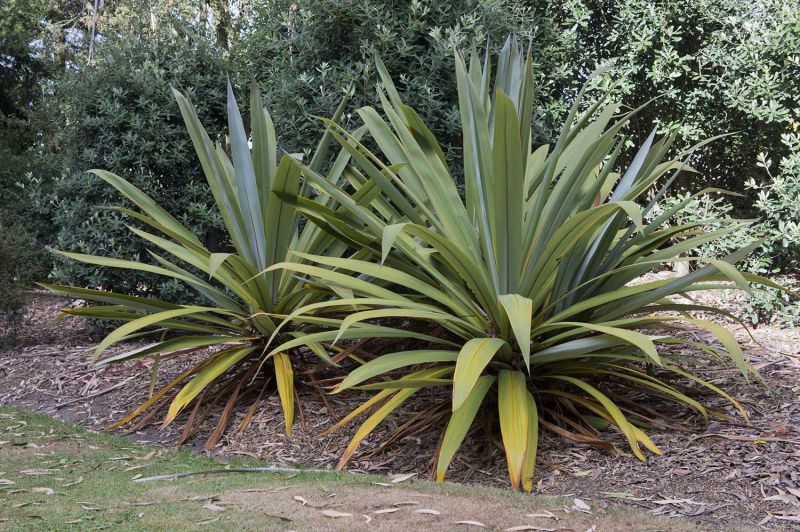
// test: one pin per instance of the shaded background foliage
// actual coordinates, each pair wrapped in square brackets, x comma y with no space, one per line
[86,85]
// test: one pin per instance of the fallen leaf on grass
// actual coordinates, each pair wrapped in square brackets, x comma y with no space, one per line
[6,482]
[208,521]
[39,471]
[581,506]
[74,483]
[214,507]
[45,491]
[301,500]
[334,513]
[471,523]
[405,503]
[73,522]
[149,455]
[529,527]
[386,511]
[428,511]
[546,514]
[402,478]
[91,508]
[367,519]
[384,484]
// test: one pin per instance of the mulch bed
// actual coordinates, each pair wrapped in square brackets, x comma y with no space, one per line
[722,474]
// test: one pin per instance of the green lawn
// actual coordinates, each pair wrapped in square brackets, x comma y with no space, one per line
[54,476]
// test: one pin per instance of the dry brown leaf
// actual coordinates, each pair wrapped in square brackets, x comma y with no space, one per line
[529,527]
[471,523]
[428,511]
[335,514]
[74,483]
[386,511]
[402,478]
[43,490]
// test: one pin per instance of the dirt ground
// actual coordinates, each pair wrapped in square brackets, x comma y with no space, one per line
[728,473]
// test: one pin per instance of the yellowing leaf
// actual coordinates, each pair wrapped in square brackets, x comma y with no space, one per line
[284,378]
[224,360]
[514,423]
[529,462]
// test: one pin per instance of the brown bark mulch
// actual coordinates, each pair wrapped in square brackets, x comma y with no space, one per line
[727,473]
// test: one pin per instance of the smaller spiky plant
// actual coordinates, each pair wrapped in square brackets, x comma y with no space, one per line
[243,297]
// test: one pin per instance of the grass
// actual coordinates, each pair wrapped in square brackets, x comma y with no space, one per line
[56,476]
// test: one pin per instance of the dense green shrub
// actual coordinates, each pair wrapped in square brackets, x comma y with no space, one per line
[778,203]
[714,66]
[22,262]
[119,114]
[306,53]
[777,208]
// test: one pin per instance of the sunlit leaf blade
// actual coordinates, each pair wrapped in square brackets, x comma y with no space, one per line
[512,404]
[284,377]
[472,359]
[459,424]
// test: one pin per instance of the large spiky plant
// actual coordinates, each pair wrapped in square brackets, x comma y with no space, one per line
[242,303]
[530,275]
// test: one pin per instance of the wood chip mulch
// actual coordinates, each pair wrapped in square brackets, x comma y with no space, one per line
[722,474]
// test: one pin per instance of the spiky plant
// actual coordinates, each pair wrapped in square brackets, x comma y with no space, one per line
[243,303]
[530,275]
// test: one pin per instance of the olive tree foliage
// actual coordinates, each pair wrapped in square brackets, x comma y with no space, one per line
[117,112]
[306,54]
[711,67]
[707,67]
